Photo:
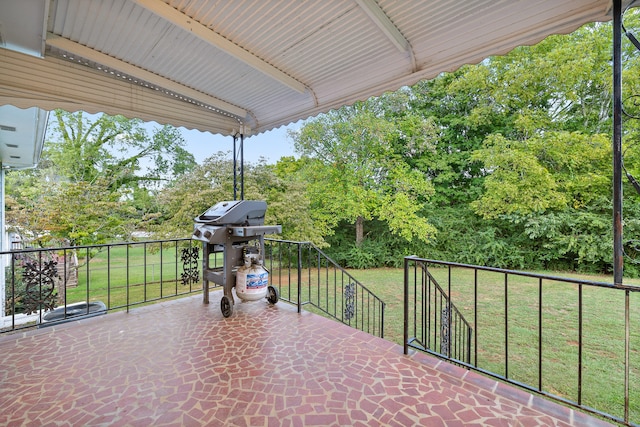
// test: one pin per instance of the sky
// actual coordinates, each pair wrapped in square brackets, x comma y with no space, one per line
[271,145]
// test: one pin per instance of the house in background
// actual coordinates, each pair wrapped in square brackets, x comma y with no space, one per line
[21,143]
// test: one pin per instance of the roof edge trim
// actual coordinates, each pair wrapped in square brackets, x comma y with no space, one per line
[85,52]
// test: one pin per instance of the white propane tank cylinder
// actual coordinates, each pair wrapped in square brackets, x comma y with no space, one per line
[252,282]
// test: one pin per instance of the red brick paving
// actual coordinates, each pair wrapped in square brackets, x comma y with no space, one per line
[180,363]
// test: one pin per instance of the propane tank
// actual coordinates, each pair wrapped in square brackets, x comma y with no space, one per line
[251,280]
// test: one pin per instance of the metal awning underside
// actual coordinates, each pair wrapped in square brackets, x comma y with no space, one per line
[217,65]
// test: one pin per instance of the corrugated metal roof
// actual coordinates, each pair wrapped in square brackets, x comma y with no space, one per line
[268,63]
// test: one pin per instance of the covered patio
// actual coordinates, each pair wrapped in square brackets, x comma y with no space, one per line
[240,69]
[181,363]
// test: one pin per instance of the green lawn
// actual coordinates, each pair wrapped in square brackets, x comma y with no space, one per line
[132,275]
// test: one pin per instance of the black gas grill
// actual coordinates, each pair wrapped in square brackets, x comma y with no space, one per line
[232,233]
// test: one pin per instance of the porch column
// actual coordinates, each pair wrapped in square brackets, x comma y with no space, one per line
[618,253]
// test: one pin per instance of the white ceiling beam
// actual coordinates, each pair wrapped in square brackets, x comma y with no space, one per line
[385,25]
[188,24]
[76,49]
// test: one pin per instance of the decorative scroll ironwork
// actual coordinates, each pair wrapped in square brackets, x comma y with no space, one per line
[190,265]
[350,299]
[632,251]
[444,330]
[40,290]
[629,107]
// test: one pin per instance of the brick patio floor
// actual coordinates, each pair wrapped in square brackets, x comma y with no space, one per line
[180,363]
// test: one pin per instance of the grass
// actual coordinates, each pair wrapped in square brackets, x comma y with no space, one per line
[130,275]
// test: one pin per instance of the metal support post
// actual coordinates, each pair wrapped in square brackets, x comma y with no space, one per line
[235,174]
[617,143]
[242,166]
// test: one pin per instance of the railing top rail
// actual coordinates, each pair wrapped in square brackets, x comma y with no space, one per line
[287,241]
[631,288]
[102,245]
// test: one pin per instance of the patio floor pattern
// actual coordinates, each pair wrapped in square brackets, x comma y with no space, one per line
[180,363]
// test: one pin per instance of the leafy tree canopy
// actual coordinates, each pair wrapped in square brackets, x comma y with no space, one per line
[354,173]
[95,179]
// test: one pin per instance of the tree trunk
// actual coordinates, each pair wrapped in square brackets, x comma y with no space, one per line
[359,230]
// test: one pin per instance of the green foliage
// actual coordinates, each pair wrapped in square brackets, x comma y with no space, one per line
[114,148]
[212,182]
[557,171]
[355,175]
[381,248]
[94,181]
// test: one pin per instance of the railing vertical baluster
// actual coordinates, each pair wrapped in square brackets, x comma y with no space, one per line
[432,302]
[506,325]
[88,281]
[127,281]
[299,277]
[381,317]
[66,274]
[540,334]
[368,313]
[449,312]
[580,344]
[39,308]
[357,304]
[318,266]
[335,289]
[435,325]
[469,332]
[425,307]
[344,302]
[13,291]
[108,277]
[144,262]
[475,317]
[289,270]
[176,251]
[627,350]
[405,314]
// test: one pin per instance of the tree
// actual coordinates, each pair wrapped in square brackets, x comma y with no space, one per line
[355,175]
[115,148]
[94,179]
[212,182]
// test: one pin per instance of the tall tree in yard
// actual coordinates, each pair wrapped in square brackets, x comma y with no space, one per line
[87,188]
[355,175]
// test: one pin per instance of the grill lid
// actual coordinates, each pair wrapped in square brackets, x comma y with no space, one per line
[235,212]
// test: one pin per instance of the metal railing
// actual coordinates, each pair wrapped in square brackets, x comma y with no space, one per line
[442,325]
[51,285]
[306,276]
[567,339]
[47,286]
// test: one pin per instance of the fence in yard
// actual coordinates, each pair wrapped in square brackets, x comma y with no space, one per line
[569,339]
